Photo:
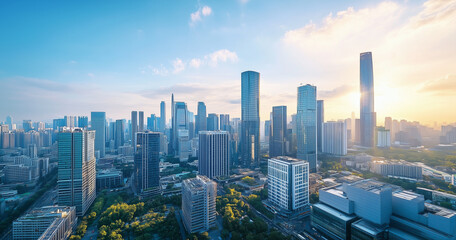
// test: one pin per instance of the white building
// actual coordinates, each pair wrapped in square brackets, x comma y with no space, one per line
[184,145]
[334,138]
[45,223]
[213,153]
[288,183]
[383,138]
[198,204]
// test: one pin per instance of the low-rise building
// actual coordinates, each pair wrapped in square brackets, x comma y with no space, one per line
[109,178]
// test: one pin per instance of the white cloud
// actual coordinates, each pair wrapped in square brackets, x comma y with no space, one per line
[195,63]
[222,55]
[178,65]
[199,14]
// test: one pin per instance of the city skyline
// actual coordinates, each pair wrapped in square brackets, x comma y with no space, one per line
[279,53]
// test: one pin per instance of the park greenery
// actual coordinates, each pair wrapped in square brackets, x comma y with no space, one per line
[239,221]
[248,180]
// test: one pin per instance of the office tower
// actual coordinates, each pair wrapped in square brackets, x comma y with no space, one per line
[198,204]
[70,121]
[334,138]
[184,149]
[147,159]
[267,130]
[27,125]
[76,174]
[83,122]
[180,122]
[388,123]
[98,123]
[224,122]
[367,113]
[152,123]
[320,121]
[32,151]
[383,137]
[212,122]
[201,118]
[162,116]
[45,223]
[278,131]
[141,122]
[288,184]
[9,122]
[306,126]
[358,131]
[119,133]
[250,117]
[213,153]
[171,135]
[134,128]
[191,125]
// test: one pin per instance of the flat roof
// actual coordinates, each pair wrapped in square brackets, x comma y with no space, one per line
[407,195]
[288,159]
[334,212]
[371,185]
[368,227]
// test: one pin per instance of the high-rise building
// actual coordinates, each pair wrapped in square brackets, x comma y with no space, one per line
[9,121]
[45,223]
[224,122]
[98,123]
[250,117]
[367,113]
[152,123]
[334,138]
[212,122]
[134,128]
[76,174]
[119,139]
[278,131]
[83,122]
[147,159]
[141,121]
[320,121]
[383,137]
[306,126]
[27,125]
[180,122]
[162,116]
[288,184]
[198,204]
[32,151]
[201,118]
[267,130]
[213,153]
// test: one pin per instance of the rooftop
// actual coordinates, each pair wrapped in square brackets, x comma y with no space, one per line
[288,160]
[439,211]
[371,185]
[46,212]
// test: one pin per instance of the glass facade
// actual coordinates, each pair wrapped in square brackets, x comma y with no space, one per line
[331,222]
[98,123]
[368,119]
[147,159]
[306,125]
[250,117]
[201,122]
[278,133]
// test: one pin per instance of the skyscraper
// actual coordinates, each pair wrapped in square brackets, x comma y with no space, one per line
[162,116]
[76,173]
[98,121]
[201,118]
[250,117]
[141,122]
[27,125]
[320,121]
[119,138]
[152,123]
[180,122]
[224,122]
[9,121]
[334,138]
[213,153]
[134,128]
[212,122]
[368,116]
[83,122]
[198,204]
[278,132]
[288,184]
[147,159]
[306,126]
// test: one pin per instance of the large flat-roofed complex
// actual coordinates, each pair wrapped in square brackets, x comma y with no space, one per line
[288,184]
[45,223]
[397,168]
[369,209]
[198,204]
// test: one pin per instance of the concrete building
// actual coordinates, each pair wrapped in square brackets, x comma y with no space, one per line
[198,204]
[334,138]
[18,173]
[383,138]
[76,174]
[397,168]
[213,154]
[46,223]
[109,178]
[288,185]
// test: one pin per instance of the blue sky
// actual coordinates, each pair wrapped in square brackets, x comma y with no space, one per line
[69,58]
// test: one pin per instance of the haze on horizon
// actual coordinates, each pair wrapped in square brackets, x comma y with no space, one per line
[73,58]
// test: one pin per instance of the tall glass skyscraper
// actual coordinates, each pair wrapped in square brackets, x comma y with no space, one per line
[250,118]
[213,154]
[76,174]
[119,138]
[201,118]
[368,117]
[141,121]
[306,126]
[320,121]
[278,132]
[162,116]
[98,121]
[212,122]
[224,122]
[180,122]
[134,128]
[147,159]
